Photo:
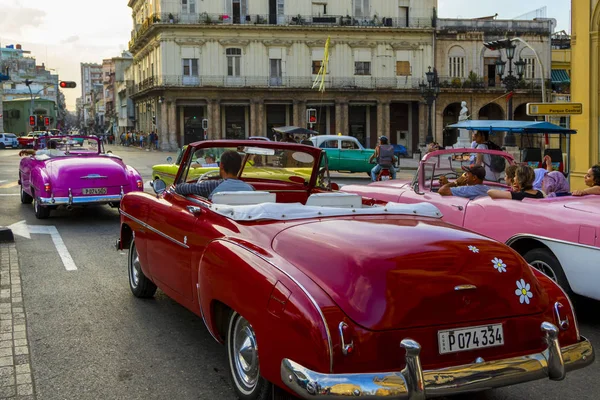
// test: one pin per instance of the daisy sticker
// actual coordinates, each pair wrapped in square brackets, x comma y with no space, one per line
[499,265]
[523,291]
[474,249]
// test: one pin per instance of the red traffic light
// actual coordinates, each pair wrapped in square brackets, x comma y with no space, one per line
[313,119]
[67,84]
[32,120]
[46,121]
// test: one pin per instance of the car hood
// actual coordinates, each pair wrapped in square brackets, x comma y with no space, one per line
[79,172]
[389,274]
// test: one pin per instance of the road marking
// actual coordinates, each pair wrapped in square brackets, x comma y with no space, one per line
[3,181]
[9,185]
[9,194]
[22,229]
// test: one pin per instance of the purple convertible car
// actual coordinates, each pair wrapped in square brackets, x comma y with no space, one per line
[60,174]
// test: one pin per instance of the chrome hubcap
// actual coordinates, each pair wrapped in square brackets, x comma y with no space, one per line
[134,274]
[545,268]
[245,354]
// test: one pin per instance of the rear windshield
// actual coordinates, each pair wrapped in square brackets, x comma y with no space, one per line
[10,135]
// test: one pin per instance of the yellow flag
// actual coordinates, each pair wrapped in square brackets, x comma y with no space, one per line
[320,78]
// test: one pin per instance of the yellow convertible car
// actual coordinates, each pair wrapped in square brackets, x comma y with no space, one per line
[206,162]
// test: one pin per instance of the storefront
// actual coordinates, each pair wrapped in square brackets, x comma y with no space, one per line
[277,115]
[235,118]
[191,122]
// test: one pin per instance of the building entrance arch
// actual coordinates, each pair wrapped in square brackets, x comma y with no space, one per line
[450,116]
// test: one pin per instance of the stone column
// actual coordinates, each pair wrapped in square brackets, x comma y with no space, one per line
[216,120]
[253,118]
[383,119]
[261,118]
[163,134]
[345,127]
[173,143]
[338,118]
[300,113]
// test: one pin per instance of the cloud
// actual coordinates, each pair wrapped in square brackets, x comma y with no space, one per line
[14,19]
[70,39]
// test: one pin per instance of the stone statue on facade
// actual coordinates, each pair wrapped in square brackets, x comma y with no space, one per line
[464,139]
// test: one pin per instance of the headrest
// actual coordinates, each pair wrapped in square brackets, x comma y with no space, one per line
[243,198]
[337,199]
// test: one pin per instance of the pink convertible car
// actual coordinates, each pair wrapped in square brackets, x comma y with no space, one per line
[559,236]
[64,175]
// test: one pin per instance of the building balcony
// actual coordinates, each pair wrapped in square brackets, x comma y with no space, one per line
[266,82]
[313,21]
[454,83]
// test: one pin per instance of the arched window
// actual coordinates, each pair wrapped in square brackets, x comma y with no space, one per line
[456,62]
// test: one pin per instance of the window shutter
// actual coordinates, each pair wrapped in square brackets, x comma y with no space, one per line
[403,68]
[229,8]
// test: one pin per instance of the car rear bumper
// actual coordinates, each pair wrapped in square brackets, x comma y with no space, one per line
[78,200]
[412,383]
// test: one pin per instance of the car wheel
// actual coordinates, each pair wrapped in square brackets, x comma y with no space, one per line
[242,355]
[2,146]
[25,197]
[544,261]
[139,284]
[41,212]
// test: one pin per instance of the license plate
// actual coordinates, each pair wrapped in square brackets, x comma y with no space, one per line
[471,338]
[94,191]
[385,178]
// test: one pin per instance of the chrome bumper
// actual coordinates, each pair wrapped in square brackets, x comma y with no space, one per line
[412,383]
[75,200]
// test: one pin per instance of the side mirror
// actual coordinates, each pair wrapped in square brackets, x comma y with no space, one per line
[159,186]
[170,160]
[335,187]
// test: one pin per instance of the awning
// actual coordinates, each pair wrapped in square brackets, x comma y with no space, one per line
[560,76]
[511,126]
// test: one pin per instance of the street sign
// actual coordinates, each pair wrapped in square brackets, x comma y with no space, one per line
[534,109]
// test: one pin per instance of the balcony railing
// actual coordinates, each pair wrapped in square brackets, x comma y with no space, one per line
[327,21]
[448,82]
[265,82]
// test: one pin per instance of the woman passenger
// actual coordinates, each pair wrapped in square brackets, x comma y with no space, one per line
[522,186]
[510,172]
[592,179]
[555,184]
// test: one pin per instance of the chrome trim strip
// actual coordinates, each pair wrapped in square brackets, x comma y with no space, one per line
[145,225]
[465,287]
[412,383]
[94,176]
[514,238]
[312,300]
[79,200]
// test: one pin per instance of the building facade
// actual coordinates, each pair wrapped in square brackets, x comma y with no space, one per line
[44,87]
[123,106]
[249,66]
[92,89]
[467,71]
[585,87]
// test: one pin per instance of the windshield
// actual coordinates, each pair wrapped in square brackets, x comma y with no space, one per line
[450,165]
[257,164]
[68,145]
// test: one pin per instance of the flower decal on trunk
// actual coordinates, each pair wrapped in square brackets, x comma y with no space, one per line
[523,291]
[474,249]
[499,265]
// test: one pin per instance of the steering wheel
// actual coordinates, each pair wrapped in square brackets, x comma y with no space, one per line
[209,175]
[323,179]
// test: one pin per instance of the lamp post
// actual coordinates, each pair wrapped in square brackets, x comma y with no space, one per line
[510,81]
[430,92]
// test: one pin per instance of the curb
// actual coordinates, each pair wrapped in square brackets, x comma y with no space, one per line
[6,235]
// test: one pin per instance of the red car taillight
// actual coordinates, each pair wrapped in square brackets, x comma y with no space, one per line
[47,187]
[140,184]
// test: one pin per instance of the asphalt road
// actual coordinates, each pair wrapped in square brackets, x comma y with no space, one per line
[90,338]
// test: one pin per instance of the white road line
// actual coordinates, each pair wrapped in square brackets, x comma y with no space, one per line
[9,194]
[63,252]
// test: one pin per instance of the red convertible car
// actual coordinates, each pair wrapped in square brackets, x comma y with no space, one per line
[325,296]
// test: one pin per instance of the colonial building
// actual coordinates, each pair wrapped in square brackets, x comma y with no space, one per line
[249,66]
[467,70]
[585,87]
[91,93]
[123,106]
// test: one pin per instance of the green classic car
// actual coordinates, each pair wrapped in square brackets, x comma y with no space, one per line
[345,153]
[167,172]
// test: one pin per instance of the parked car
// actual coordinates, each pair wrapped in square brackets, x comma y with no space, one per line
[400,151]
[559,236]
[168,171]
[8,140]
[345,153]
[27,141]
[69,176]
[309,292]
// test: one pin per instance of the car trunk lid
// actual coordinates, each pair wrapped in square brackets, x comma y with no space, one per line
[86,172]
[406,272]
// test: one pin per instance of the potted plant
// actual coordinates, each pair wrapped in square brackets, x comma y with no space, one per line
[155,18]
[205,18]
[171,18]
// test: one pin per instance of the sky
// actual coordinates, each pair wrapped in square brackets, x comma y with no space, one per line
[63,33]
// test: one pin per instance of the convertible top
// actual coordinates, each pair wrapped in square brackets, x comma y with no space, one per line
[512,126]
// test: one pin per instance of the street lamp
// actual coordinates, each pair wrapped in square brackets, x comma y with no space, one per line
[430,92]
[510,81]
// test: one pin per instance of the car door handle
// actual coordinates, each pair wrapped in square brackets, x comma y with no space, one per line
[194,210]
[460,208]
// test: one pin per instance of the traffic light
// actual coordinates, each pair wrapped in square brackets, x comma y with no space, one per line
[46,121]
[311,115]
[154,120]
[68,84]
[498,44]
[32,120]
[205,124]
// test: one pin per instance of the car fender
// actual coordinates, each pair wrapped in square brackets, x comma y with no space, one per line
[37,179]
[134,176]
[281,311]
[574,259]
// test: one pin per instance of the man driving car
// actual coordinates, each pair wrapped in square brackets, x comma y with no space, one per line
[469,185]
[229,168]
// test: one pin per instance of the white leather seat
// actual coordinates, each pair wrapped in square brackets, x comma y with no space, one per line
[338,199]
[243,198]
